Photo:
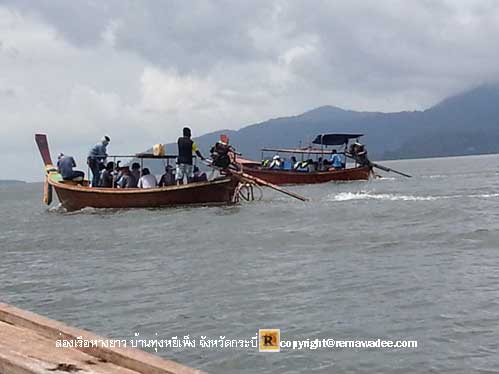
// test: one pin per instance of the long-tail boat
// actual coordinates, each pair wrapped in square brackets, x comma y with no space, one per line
[280,176]
[78,195]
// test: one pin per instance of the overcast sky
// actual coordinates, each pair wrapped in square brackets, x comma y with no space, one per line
[140,70]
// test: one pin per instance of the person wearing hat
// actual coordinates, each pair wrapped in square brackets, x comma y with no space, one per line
[65,165]
[276,162]
[186,147]
[96,159]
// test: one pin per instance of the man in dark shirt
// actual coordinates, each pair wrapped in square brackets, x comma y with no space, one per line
[168,178]
[127,180]
[96,158]
[186,147]
[106,176]
[136,173]
[65,165]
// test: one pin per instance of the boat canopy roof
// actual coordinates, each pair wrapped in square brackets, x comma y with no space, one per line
[308,151]
[144,155]
[335,139]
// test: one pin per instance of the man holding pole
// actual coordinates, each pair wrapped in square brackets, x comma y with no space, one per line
[186,147]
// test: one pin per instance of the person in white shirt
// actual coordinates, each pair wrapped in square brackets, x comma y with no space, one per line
[147,180]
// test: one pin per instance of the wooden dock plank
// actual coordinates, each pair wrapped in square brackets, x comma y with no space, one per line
[28,344]
[36,351]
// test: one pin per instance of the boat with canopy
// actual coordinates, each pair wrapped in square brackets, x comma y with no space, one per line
[77,195]
[320,151]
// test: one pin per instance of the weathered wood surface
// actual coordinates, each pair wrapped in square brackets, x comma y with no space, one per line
[28,346]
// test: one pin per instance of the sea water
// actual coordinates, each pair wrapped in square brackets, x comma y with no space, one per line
[393,258]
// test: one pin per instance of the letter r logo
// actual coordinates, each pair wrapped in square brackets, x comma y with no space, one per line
[269,340]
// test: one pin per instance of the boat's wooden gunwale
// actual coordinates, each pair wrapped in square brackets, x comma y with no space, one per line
[126,191]
[282,177]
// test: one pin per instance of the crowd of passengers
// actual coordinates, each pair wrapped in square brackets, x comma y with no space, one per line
[126,177]
[336,162]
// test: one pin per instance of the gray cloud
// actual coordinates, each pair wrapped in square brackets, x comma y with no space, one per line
[141,69]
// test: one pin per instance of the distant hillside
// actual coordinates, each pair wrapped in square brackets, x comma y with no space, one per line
[10,182]
[464,124]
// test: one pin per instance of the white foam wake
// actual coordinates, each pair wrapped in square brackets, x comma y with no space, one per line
[346,196]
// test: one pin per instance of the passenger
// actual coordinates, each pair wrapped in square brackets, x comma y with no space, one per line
[276,162]
[265,163]
[127,180]
[147,180]
[65,165]
[337,161]
[199,176]
[287,165]
[301,166]
[297,165]
[135,171]
[293,162]
[107,176]
[320,164]
[186,147]
[168,178]
[311,165]
[96,158]
[117,173]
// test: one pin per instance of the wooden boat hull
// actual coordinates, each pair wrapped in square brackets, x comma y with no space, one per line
[281,177]
[76,197]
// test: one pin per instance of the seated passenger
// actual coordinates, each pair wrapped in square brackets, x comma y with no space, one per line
[127,180]
[135,171]
[265,163]
[320,164]
[147,180]
[337,161]
[198,176]
[311,165]
[301,166]
[65,165]
[107,176]
[168,178]
[276,162]
[287,165]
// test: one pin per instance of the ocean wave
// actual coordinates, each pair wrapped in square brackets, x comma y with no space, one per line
[363,195]
[346,196]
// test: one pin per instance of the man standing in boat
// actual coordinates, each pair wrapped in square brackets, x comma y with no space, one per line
[186,147]
[96,159]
